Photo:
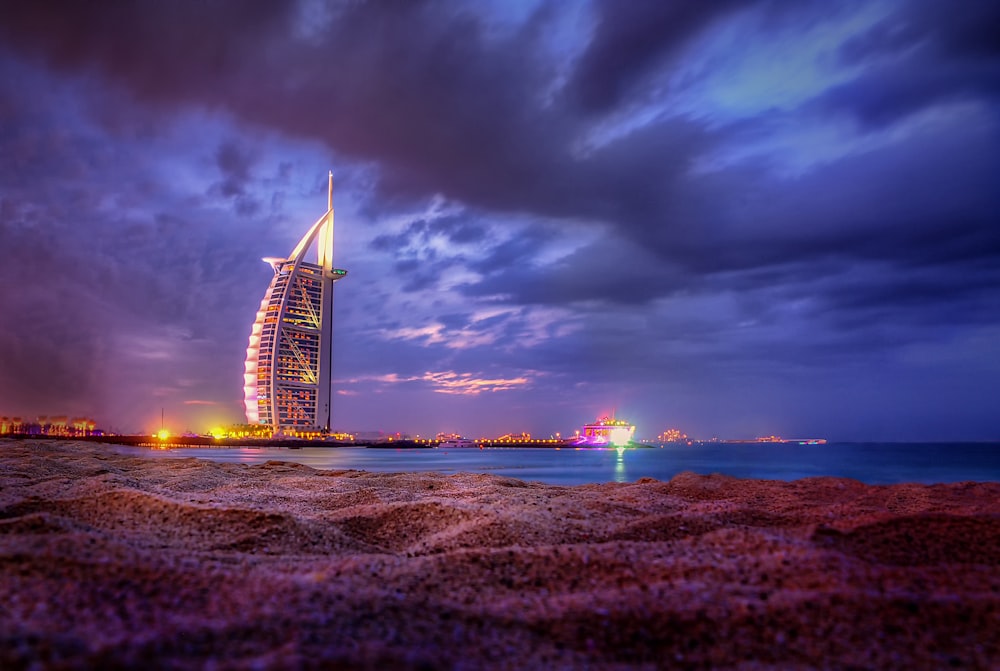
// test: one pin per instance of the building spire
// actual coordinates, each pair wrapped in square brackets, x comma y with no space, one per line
[324,247]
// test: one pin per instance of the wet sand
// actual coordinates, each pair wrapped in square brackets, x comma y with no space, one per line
[109,561]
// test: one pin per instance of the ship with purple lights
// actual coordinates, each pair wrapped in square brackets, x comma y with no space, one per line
[607,432]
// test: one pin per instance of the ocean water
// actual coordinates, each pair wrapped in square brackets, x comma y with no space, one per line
[872,463]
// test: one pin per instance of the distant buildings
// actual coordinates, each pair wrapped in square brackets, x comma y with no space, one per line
[672,436]
[288,367]
[55,425]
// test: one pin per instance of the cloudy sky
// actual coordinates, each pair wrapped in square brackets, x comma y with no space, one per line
[734,218]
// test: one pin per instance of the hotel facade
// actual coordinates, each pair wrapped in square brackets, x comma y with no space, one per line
[288,369]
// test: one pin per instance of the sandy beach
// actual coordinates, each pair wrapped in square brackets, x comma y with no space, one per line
[111,561]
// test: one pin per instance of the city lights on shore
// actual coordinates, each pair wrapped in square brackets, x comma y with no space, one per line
[603,432]
[49,425]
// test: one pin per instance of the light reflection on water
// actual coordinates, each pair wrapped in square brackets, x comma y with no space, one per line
[874,463]
[620,465]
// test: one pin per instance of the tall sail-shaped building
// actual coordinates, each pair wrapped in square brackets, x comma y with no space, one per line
[287,374]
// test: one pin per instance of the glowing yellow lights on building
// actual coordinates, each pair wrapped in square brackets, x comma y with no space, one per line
[672,436]
[163,434]
[49,425]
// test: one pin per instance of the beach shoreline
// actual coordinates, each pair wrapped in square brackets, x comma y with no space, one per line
[111,560]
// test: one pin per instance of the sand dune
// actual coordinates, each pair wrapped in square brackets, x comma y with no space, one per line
[108,561]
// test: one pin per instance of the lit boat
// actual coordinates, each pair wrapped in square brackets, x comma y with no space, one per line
[607,431]
[458,442]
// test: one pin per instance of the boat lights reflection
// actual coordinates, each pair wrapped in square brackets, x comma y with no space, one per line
[620,465]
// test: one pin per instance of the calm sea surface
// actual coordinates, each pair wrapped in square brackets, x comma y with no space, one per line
[873,463]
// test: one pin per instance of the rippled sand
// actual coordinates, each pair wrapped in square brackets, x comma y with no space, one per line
[111,561]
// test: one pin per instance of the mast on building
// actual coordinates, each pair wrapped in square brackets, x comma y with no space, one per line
[288,369]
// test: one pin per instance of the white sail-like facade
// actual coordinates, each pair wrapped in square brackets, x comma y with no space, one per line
[287,374]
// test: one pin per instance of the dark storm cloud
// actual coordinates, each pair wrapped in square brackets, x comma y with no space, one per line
[631,39]
[234,162]
[459,230]
[968,35]
[161,51]
[419,274]
[894,207]
[607,272]
[929,55]
[415,86]
[420,88]
[513,254]
[896,91]
[416,259]
[420,233]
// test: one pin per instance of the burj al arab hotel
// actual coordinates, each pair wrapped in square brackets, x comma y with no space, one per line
[287,374]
